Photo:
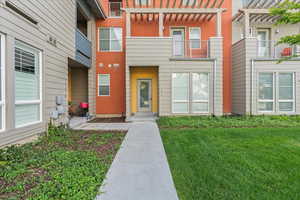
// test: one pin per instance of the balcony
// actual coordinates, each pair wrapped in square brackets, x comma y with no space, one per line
[83,49]
[190,49]
[270,49]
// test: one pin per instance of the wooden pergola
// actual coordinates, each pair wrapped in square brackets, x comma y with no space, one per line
[257,11]
[174,10]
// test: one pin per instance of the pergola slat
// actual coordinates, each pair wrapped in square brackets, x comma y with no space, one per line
[212,6]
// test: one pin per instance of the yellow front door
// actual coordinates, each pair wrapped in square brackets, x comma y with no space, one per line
[144,87]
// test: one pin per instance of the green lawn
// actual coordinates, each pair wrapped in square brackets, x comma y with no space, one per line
[65,165]
[233,163]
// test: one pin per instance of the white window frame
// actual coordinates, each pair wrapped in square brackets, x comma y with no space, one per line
[190,39]
[190,100]
[40,100]
[109,5]
[2,66]
[289,100]
[180,101]
[266,100]
[109,84]
[99,41]
[137,2]
[200,101]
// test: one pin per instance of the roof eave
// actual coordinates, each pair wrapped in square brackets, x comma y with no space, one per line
[97,9]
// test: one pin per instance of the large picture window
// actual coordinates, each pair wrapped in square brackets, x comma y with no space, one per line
[276,96]
[110,39]
[266,92]
[190,92]
[28,106]
[104,84]
[286,98]
[200,83]
[180,92]
[2,81]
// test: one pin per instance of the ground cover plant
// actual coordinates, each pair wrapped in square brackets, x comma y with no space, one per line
[63,165]
[233,157]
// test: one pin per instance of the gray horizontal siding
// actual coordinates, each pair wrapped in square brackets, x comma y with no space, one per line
[238,78]
[56,19]
[147,52]
[245,69]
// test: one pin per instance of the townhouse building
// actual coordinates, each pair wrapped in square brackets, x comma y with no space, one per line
[260,84]
[167,57]
[126,57]
[41,43]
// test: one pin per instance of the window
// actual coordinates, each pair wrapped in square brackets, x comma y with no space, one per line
[115,9]
[286,92]
[82,21]
[200,82]
[142,2]
[24,61]
[2,80]
[111,39]
[104,84]
[266,92]
[196,101]
[284,100]
[195,37]
[28,107]
[189,2]
[180,92]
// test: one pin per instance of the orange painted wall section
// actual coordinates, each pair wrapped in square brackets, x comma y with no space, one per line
[115,104]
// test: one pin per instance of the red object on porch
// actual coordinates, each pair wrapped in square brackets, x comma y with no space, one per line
[84,105]
[286,52]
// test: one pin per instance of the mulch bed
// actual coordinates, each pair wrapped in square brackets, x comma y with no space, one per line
[109,120]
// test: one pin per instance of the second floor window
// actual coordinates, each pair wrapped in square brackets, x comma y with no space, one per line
[195,37]
[142,2]
[110,39]
[115,9]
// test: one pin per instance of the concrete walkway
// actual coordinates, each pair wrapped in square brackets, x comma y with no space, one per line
[140,170]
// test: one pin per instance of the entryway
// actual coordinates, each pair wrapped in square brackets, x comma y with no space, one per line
[144,90]
[77,89]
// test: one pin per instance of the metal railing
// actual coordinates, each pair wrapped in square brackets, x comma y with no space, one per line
[83,48]
[270,49]
[190,49]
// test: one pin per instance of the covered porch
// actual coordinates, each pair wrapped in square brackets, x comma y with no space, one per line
[77,89]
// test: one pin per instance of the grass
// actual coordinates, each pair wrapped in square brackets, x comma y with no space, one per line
[233,163]
[230,122]
[64,165]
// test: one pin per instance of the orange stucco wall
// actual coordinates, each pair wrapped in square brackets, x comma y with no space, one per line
[115,103]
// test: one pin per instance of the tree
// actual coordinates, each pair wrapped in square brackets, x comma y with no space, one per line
[288,13]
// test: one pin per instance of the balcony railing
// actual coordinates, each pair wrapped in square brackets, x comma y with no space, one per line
[83,49]
[190,49]
[270,49]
